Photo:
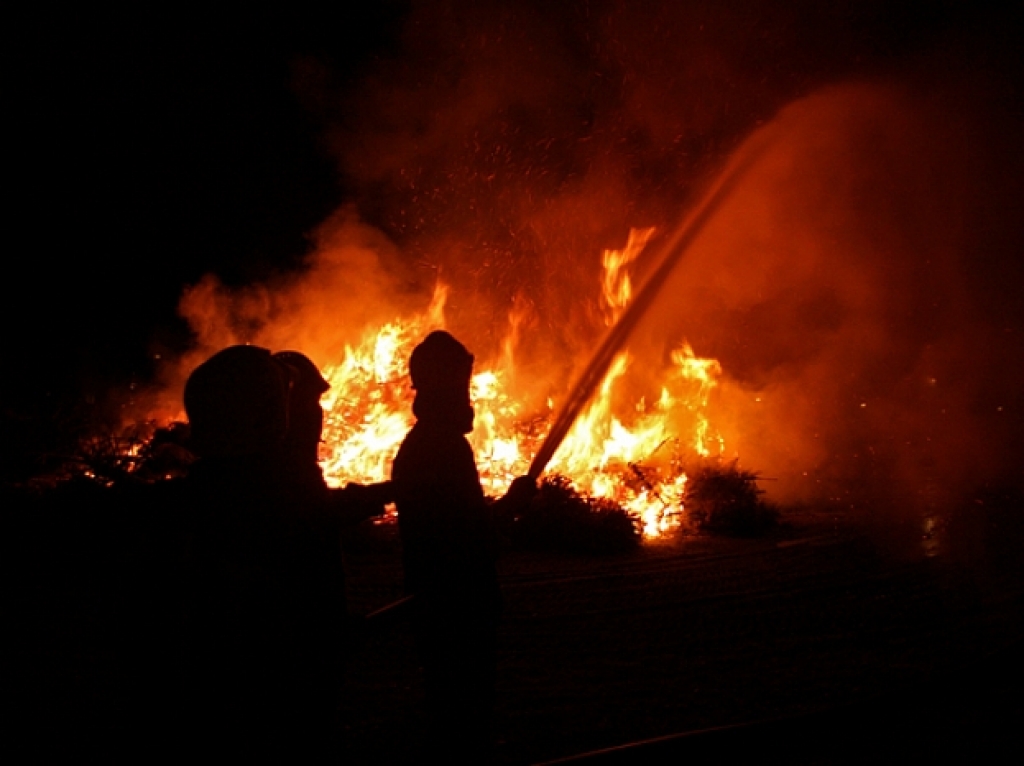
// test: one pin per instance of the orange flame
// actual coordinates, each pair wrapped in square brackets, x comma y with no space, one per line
[368,412]
[617,285]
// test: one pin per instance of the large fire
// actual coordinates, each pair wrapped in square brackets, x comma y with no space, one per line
[637,461]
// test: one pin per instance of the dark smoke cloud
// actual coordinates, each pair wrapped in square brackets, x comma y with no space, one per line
[871,258]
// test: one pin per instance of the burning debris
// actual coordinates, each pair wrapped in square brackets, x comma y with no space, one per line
[368,412]
[620,463]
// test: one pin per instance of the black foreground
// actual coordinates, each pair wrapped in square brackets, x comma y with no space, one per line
[818,644]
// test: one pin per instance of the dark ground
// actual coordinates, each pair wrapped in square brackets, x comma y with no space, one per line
[838,649]
[847,653]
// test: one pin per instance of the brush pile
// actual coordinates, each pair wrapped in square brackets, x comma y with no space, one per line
[722,499]
[561,519]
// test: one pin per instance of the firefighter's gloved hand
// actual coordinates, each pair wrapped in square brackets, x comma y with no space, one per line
[520,494]
[370,498]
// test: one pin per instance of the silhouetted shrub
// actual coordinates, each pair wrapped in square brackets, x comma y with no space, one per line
[166,455]
[725,500]
[560,519]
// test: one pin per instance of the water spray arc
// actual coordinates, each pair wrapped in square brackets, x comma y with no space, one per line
[670,254]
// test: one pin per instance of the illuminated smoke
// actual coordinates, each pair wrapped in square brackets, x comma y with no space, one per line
[847,290]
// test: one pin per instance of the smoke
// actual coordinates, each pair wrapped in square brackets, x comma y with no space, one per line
[353,279]
[861,302]
[859,288]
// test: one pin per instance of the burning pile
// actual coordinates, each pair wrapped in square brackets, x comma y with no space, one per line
[636,461]
[622,452]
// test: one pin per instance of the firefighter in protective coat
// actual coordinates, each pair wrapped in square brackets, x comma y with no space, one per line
[447,530]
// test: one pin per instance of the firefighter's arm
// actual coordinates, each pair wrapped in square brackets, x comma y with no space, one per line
[357,502]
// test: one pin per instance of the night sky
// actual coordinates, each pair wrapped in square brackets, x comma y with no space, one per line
[159,147]
[154,147]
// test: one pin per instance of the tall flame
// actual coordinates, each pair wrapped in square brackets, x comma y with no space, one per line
[617,286]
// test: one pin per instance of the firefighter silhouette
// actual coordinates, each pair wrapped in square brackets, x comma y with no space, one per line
[447,531]
[265,621]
